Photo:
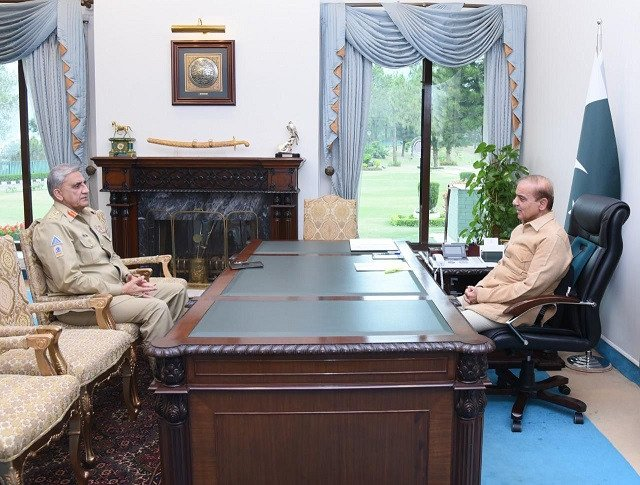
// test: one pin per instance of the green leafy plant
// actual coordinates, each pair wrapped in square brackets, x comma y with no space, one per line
[434,191]
[405,221]
[493,215]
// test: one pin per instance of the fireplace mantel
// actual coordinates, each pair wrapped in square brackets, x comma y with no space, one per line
[127,179]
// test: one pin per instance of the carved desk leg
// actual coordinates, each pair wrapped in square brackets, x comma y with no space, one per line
[172,410]
[470,401]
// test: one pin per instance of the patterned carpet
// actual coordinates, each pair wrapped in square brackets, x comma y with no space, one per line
[127,451]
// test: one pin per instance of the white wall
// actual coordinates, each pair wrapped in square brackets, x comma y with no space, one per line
[560,48]
[277,64]
[276,48]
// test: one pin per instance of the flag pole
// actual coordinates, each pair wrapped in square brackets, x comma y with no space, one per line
[599,36]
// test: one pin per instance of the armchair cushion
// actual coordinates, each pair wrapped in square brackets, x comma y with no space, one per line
[29,407]
[581,250]
[330,218]
[132,329]
[88,353]
[12,287]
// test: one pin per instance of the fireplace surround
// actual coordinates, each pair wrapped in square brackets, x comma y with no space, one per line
[146,191]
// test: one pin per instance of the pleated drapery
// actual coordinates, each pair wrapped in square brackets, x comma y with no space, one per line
[24,26]
[45,81]
[400,35]
[48,35]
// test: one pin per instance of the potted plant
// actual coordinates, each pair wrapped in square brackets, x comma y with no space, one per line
[493,214]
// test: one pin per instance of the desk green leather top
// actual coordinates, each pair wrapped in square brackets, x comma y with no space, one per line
[303,247]
[374,319]
[319,275]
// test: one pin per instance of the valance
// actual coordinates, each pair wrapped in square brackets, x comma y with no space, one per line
[399,35]
[403,34]
[48,35]
[24,26]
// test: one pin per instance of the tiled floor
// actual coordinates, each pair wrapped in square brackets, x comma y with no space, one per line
[613,406]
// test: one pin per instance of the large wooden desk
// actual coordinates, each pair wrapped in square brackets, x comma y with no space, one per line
[308,372]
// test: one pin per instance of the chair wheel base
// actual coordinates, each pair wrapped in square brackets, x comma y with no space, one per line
[588,363]
[516,426]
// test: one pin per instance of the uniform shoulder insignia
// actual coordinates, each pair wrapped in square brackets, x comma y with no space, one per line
[56,246]
[55,214]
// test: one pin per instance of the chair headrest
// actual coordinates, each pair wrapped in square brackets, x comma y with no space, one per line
[590,216]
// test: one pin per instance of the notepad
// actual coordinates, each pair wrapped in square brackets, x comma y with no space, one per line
[372,245]
[382,265]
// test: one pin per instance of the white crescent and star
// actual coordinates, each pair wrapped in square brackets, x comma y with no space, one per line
[577,166]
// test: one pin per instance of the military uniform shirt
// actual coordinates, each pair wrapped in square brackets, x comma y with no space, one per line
[77,253]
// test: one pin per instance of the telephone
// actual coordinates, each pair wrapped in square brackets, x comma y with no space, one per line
[454,251]
[438,259]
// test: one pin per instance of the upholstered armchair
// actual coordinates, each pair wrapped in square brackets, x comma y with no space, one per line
[36,409]
[330,218]
[38,284]
[595,229]
[91,355]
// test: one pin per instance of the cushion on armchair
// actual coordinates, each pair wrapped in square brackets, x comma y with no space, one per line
[29,407]
[88,352]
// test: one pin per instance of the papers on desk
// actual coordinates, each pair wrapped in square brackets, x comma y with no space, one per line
[368,245]
[390,255]
[383,265]
[467,263]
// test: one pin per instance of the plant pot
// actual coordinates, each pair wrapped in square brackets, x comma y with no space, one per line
[197,270]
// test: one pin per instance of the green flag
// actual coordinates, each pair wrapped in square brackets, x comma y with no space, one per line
[596,169]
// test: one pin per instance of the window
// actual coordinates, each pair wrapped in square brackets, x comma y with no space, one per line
[23,164]
[405,184]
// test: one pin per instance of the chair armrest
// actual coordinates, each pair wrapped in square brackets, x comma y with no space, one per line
[22,330]
[144,272]
[519,308]
[163,259]
[99,303]
[41,340]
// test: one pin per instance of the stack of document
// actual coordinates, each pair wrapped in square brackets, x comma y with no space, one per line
[368,245]
[382,265]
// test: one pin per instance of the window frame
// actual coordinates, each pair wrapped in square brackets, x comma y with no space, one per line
[25,156]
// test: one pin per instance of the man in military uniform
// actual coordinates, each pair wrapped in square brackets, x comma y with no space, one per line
[78,258]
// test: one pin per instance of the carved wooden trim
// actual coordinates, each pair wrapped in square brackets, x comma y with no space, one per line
[295,349]
[471,367]
[172,371]
[172,407]
[201,179]
[470,403]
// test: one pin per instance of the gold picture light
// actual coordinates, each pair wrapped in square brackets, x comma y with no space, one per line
[198,28]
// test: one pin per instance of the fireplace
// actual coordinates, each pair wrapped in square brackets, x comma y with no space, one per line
[204,209]
[200,230]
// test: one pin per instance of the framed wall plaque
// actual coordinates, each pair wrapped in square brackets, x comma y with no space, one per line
[203,72]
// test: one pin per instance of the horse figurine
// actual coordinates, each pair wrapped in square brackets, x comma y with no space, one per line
[123,129]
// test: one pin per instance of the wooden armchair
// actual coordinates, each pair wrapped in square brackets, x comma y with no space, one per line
[35,410]
[330,218]
[38,283]
[92,355]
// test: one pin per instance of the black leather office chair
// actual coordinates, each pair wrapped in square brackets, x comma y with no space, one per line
[596,224]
